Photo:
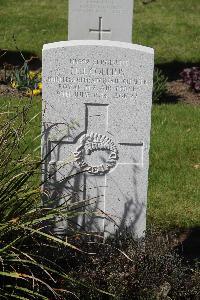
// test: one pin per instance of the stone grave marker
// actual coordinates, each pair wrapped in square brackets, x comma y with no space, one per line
[97,98]
[100,20]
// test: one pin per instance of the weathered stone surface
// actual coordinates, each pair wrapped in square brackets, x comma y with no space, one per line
[97,98]
[100,20]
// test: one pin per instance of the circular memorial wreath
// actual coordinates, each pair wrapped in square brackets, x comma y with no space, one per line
[96,142]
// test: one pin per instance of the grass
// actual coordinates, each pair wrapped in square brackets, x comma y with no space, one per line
[33,23]
[33,128]
[171,27]
[174,175]
[32,135]
[174,166]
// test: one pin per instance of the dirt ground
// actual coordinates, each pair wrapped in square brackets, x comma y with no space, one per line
[179,90]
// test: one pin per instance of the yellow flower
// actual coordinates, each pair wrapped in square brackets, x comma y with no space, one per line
[36,92]
[40,85]
[14,85]
[31,75]
[29,92]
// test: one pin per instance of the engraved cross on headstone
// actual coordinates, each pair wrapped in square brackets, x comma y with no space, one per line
[100,30]
[99,156]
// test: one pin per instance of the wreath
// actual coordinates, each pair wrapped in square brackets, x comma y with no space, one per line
[96,142]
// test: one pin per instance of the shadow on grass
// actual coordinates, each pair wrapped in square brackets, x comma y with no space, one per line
[174,68]
[14,58]
[169,98]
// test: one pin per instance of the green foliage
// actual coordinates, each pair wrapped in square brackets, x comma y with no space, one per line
[27,249]
[160,86]
[26,80]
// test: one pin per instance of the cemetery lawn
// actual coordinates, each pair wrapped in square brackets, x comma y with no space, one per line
[174,175]
[170,27]
[32,136]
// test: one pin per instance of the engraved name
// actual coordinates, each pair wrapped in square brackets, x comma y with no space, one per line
[97,78]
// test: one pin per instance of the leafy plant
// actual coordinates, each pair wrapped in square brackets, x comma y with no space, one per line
[26,80]
[160,86]
[191,76]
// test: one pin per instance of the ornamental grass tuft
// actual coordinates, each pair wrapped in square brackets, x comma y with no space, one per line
[28,250]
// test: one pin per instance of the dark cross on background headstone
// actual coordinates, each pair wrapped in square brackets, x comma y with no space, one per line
[100,30]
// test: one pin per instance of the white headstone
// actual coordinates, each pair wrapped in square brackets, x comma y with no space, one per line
[100,20]
[97,98]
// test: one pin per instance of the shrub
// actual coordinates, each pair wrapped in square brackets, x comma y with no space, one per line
[160,86]
[136,270]
[191,76]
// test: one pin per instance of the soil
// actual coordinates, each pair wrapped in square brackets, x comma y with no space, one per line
[180,91]
[6,89]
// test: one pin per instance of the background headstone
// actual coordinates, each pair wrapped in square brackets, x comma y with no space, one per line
[100,20]
[97,98]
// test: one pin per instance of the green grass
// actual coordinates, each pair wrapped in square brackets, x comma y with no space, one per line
[33,23]
[171,27]
[173,178]
[33,129]
[31,139]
